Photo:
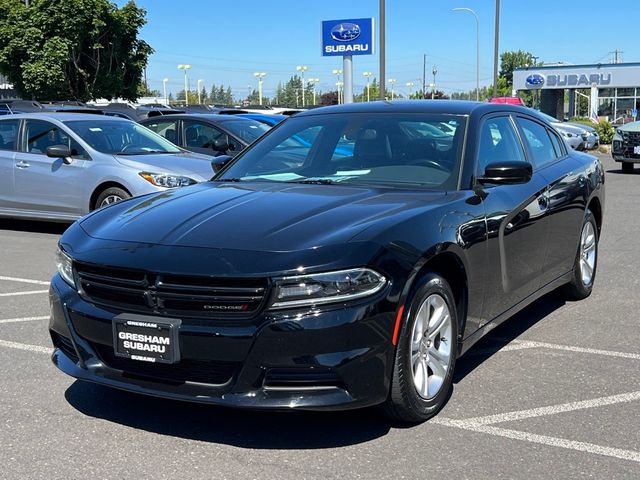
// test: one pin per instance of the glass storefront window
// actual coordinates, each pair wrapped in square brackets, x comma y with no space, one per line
[626,92]
[605,107]
[607,92]
[624,106]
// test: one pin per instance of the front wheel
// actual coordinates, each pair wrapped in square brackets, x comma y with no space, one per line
[586,262]
[111,195]
[426,353]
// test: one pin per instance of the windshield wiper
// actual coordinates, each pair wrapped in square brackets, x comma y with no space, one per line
[313,181]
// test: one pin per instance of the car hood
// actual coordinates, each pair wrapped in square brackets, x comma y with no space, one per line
[569,128]
[257,216]
[630,127]
[191,165]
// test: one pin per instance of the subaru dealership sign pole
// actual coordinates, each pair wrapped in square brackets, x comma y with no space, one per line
[346,38]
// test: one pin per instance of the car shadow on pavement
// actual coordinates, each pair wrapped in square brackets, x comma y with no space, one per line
[505,333]
[241,428]
[618,171]
[33,226]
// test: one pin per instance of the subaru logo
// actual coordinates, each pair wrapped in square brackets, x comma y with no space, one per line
[535,80]
[345,32]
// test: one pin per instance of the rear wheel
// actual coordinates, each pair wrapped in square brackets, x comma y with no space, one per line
[109,196]
[426,353]
[627,167]
[586,262]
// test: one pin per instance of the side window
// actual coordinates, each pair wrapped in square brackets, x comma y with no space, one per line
[41,135]
[540,145]
[200,135]
[557,143]
[166,128]
[9,134]
[498,143]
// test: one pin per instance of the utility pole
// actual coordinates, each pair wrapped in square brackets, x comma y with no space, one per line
[495,50]
[424,76]
[616,56]
[382,50]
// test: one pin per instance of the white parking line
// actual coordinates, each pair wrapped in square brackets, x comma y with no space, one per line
[15,294]
[569,348]
[554,409]
[24,346]
[23,280]
[24,319]
[510,347]
[540,439]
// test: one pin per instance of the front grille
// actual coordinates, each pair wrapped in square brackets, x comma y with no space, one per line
[65,345]
[632,138]
[301,378]
[170,295]
[187,370]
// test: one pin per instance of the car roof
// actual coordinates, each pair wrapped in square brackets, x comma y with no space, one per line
[451,107]
[213,117]
[65,116]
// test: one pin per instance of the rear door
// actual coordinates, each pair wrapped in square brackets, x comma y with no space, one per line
[166,128]
[44,184]
[8,142]
[565,195]
[516,220]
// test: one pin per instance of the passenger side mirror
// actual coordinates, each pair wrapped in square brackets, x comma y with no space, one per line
[220,161]
[60,151]
[507,173]
[221,145]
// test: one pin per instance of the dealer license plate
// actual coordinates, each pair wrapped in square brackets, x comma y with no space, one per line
[636,150]
[146,338]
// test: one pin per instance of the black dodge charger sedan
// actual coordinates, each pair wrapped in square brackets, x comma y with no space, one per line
[348,271]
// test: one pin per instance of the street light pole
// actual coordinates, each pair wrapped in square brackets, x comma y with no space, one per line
[302,69]
[392,82]
[433,90]
[338,72]
[164,90]
[185,67]
[382,17]
[200,82]
[368,75]
[410,85]
[260,76]
[464,9]
[495,50]
[313,82]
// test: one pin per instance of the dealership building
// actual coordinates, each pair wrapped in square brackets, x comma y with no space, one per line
[612,90]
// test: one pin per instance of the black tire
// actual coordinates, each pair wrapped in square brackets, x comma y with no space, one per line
[627,167]
[577,289]
[111,192]
[405,404]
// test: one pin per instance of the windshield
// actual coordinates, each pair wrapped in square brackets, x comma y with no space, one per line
[396,150]
[121,137]
[246,129]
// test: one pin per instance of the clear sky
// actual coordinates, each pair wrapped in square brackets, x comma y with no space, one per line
[226,41]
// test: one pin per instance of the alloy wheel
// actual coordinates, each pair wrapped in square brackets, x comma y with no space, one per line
[431,346]
[110,199]
[587,253]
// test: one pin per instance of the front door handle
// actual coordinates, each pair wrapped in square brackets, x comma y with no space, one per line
[23,164]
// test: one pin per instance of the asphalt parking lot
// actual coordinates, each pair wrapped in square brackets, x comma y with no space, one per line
[553,393]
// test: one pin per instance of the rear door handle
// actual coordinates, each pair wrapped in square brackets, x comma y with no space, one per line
[23,164]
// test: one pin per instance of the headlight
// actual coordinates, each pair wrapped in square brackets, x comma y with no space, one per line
[330,287]
[65,267]
[166,180]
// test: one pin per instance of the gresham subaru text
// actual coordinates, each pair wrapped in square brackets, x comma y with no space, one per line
[345,271]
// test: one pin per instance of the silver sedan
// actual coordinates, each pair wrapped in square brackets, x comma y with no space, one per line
[60,166]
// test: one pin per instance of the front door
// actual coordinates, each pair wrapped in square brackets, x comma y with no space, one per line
[44,184]
[516,221]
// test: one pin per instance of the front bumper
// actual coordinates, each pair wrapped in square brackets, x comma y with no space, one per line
[336,358]
[622,151]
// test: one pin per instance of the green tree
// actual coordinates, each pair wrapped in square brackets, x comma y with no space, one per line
[79,49]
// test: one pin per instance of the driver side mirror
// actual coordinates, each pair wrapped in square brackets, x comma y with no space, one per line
[60,151]
[220,161]
[221,145]
[507,173]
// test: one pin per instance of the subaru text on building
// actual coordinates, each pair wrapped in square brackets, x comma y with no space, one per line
[304,279]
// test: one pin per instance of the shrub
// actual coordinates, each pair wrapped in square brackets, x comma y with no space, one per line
[605,131]
[583,120]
